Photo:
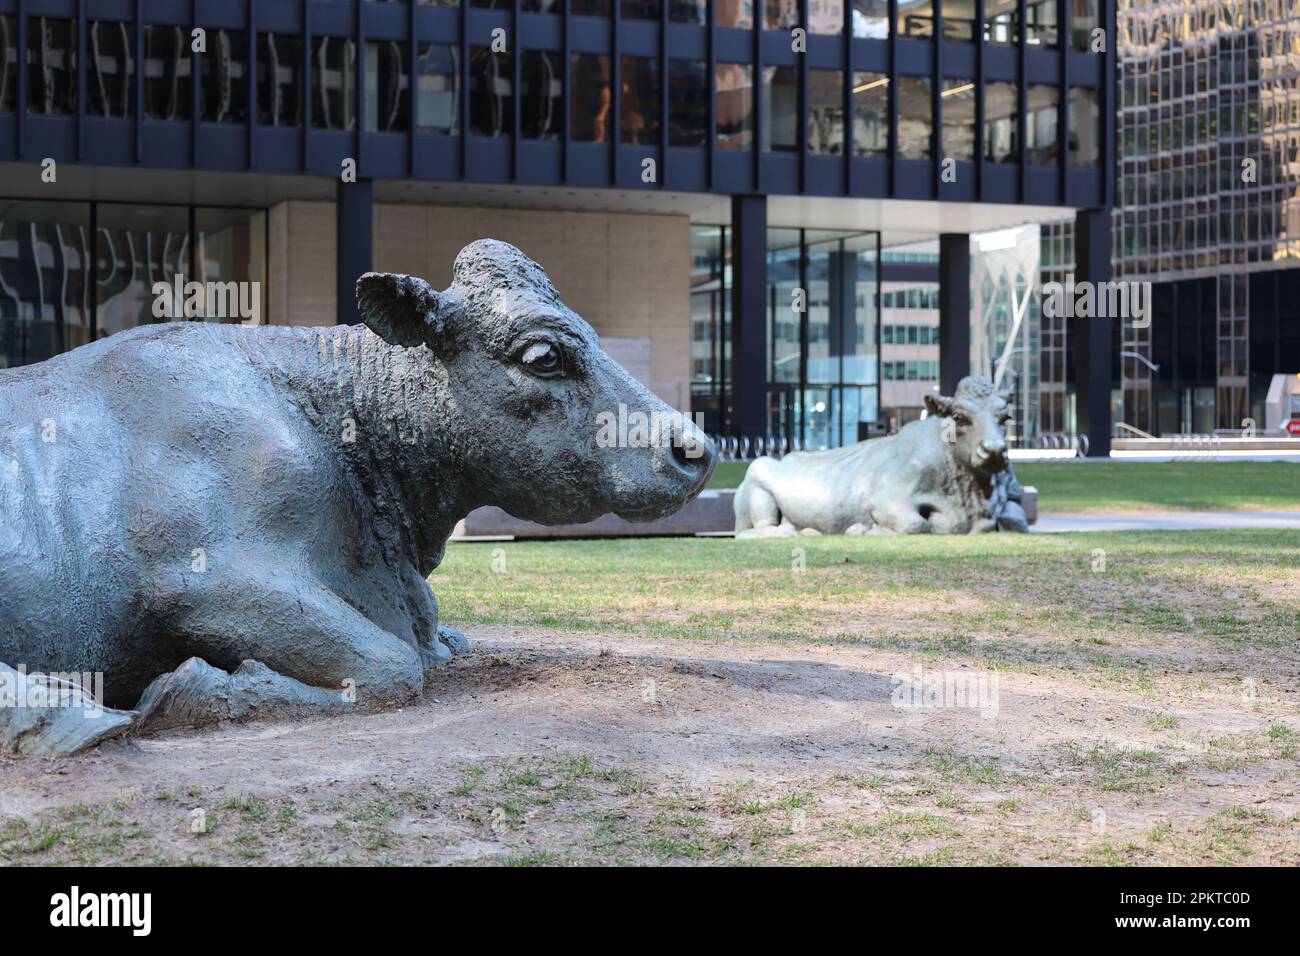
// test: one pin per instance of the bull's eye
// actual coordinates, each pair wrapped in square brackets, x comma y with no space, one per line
[542,358]
[961,420]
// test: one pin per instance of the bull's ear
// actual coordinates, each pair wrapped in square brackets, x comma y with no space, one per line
[401,310]
[939,404]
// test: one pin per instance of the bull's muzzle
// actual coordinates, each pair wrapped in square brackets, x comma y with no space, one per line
[692,454]
[992,455]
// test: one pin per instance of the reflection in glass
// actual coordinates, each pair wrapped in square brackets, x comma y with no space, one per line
[734,13]
[1083,20]
[491,93]
[871,19]
[710,335]
[590,8]
[957,100]
[542,91]
[167,72]
[1040,27]
[279,79]
[334,83]
[589,115]
[783,320]
[1001,118]
[437,88]
[1085,127]
[689,11]
[958,19]
[232,248]
[8,63]
[223,77]
[387,86]
[915,117]
[822,362]
[916,18]
[870,114]
[734,83]
[45,288]
[826,17]
[780,128]
[780,14]
[51,65]
[137,246]
[1041,124]
[688,102]
[1002,22]
[826,112]
[110,64]
[639,9]
[638,100]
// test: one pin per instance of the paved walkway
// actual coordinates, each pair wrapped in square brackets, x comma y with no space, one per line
[1167,521]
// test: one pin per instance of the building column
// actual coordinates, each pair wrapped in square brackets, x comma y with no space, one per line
[353,244]
[748,315]
[954,310]
[1093,349]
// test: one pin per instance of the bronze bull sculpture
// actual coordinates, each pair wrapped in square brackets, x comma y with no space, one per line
[946,474]
[227,522]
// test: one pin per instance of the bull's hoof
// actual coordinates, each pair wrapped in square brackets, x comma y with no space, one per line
[50,720]
[769,531]
[452,639]
[187,696]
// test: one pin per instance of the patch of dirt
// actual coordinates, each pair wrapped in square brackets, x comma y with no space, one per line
[545,748]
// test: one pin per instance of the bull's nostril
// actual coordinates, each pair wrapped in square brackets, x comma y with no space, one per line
[689,455]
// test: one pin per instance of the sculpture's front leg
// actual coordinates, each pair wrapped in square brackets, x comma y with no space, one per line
[303,650]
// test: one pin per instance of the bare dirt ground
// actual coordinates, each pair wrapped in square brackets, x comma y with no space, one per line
[544,747]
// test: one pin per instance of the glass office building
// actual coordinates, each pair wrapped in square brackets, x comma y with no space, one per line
[1208,210]
[754,157]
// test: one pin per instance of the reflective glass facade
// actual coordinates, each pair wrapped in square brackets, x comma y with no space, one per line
[51,299]
[822,333]
[1209,193]
[576,94]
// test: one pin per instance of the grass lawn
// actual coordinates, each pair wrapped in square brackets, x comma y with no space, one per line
[831,589]
[1123,486]
[711,701]
[1149,679]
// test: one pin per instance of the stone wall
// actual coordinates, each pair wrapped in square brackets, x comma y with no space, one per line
[628,275]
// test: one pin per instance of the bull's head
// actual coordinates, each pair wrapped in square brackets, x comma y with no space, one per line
[526,395]
[977,423]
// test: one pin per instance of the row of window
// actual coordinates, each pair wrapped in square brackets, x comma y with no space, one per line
[865,18]
[910,334]
[386,88]
[910,371]
[911,298]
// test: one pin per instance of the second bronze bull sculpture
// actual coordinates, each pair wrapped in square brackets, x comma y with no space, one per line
[226,522]
[947,474]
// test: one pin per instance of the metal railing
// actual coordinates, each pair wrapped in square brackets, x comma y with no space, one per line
[1060,441]
[745,448]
